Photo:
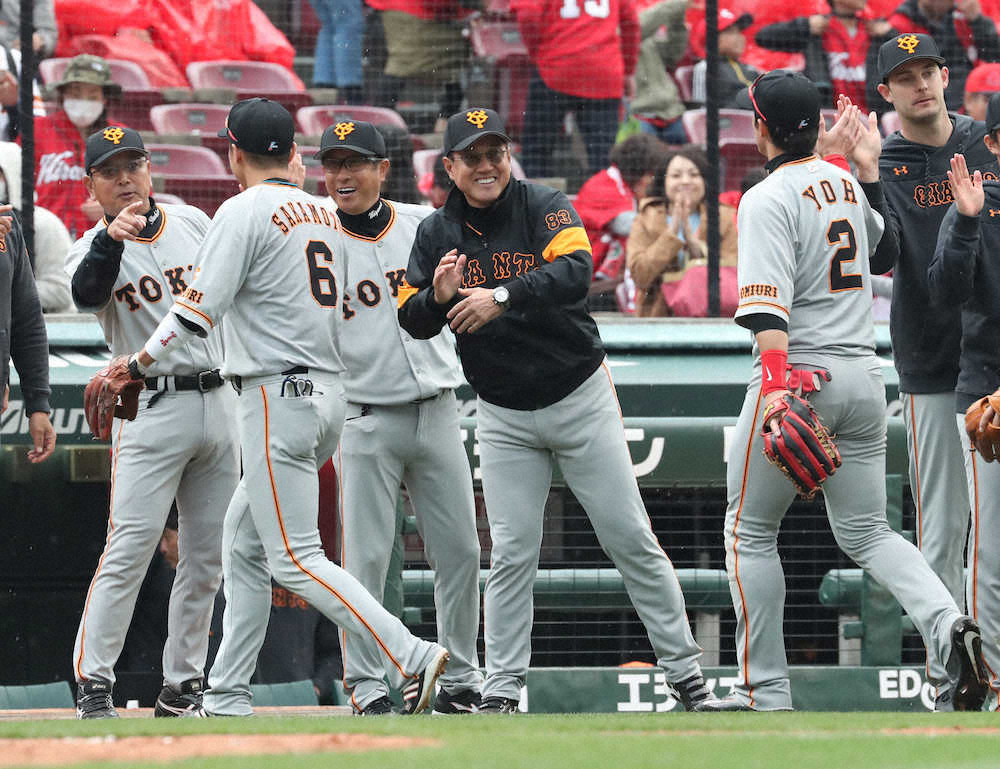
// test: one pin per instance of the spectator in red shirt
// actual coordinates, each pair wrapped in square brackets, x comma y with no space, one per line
[585,54]
[981,83]
[607,201]
[840,50]
[60,140]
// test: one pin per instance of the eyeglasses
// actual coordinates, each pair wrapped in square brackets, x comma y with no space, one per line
[493,155]
[111,173]
[353,163]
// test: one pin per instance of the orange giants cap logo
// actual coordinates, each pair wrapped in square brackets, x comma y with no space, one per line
[114,135]
[908,43]
[477,117]
[343,129]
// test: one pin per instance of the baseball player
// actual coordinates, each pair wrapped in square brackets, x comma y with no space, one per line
[926,335]
[806,233]
[273,259]
[125,269]
[401,426]
[506,264]
[964,273]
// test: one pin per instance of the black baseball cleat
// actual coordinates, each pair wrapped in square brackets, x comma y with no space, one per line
[498,705]
[417,693]
[462,701]
[970,688]
[381,706]
[724,705]
[183,703]
[93,700]
[691,692]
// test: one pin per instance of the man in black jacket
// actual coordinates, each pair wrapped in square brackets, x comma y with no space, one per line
[23,338]
[965,272]
[925,333]
[507,265]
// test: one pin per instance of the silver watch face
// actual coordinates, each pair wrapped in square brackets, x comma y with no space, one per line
[501,295]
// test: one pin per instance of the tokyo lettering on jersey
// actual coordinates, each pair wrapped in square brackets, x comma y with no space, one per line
[273,262]
[154,271]
[805,235]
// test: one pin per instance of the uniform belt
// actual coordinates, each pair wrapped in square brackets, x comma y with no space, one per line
[202,381]
[238,380]
[367,408]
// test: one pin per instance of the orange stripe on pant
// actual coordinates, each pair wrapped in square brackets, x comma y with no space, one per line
[295,560]
[736,556]
[100,563]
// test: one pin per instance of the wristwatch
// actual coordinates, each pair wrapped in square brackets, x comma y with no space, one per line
[501,296]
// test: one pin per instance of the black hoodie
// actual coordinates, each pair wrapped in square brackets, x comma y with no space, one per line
[925,335]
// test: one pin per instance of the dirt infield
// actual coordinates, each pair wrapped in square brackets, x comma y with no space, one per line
[67,751]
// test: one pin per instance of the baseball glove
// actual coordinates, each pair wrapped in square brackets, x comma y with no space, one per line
[800,445]
[987,439]
[111,392]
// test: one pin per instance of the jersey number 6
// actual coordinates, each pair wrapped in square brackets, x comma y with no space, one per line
[839,280]
[321,278]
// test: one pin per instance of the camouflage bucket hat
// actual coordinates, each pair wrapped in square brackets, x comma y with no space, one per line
[87,68]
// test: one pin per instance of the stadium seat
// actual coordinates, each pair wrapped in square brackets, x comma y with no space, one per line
[733,124]
[129,75]
[423,161]
[684,76]
[829,117]
[737,157]
[166,197]
[499,44]
[189,118]
[314,169]
[890,123]
[185,159]
[315,119]
[243,76]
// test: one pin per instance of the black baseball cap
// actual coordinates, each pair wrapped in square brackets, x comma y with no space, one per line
[785,100]
[260,126]
[904,48]
[355,135]
[993,113]
[467,127]
[110,141]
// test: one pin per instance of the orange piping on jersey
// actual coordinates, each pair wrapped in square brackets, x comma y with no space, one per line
[736,554]
[566,242]
[294,558]
[100,564]
[800,161]
[406,293]
[763,304]
[916,472]
[196,311]
[473,229]
[392,221]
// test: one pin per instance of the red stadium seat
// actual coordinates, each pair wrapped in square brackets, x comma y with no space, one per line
[314,169]
[737,157]
[733,124]
[189,118]
[315,119]
[129,75]
[423,162]
[185,159]
[499,44]
[684,76]
[890,123]
[256,76]
[166,197]
[206,193]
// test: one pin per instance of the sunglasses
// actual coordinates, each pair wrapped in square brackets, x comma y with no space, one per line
[110,173]
[353,163]
[493,155]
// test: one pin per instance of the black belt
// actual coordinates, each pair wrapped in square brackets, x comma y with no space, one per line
[202,381]
[238,380]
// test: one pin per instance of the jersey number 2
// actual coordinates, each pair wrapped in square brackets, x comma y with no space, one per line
[321,278]
[840,229]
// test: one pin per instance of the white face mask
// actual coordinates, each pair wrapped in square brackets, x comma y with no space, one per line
[83,112]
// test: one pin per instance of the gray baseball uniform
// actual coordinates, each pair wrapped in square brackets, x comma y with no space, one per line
[272,261]
[181,445]
[805,235]
[402,426]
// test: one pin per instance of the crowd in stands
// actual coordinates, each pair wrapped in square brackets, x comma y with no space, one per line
[599,96]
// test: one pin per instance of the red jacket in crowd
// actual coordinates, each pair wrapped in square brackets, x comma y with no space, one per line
[59,171]
[576,45]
